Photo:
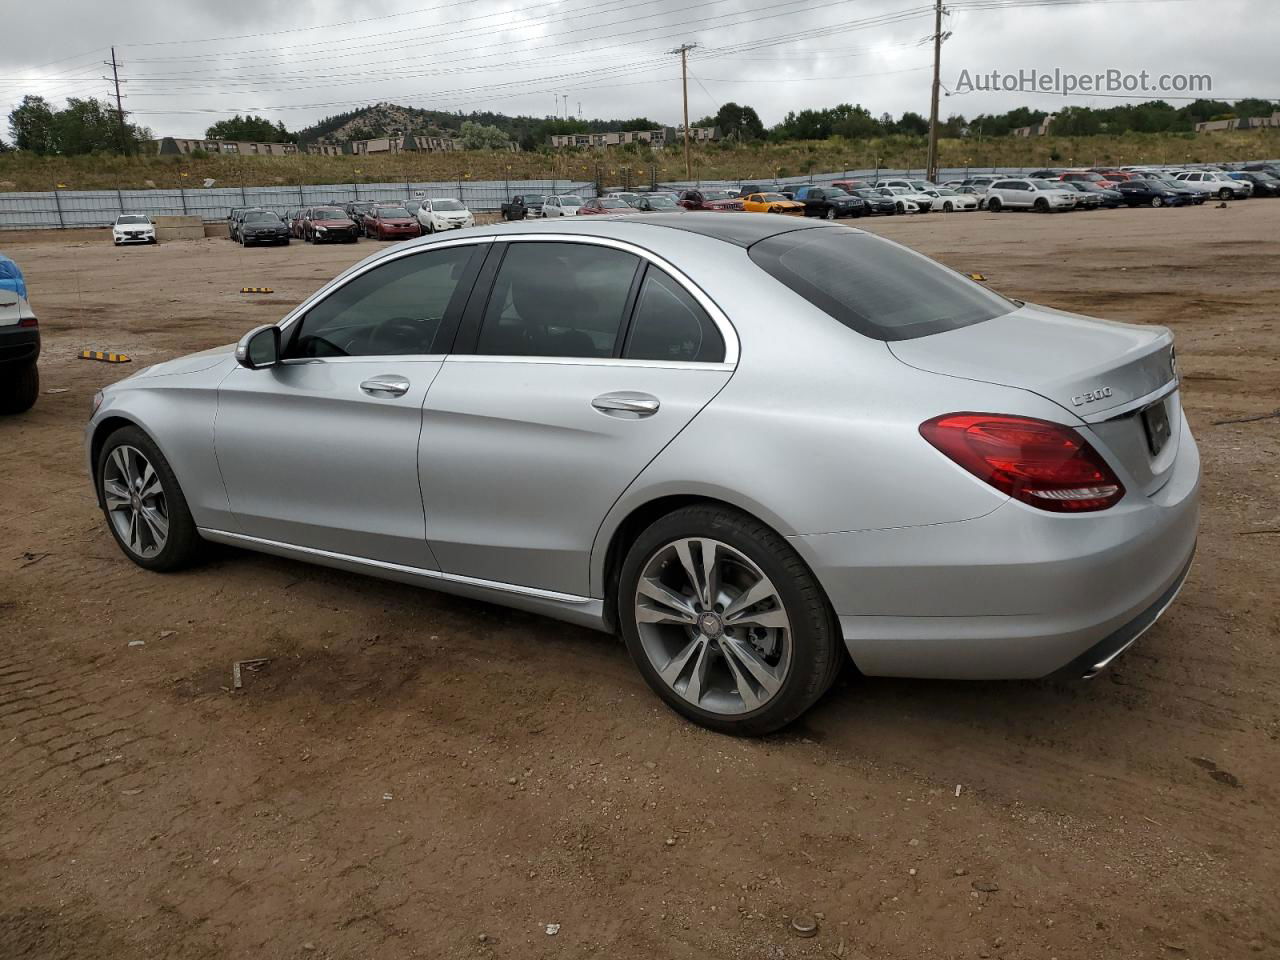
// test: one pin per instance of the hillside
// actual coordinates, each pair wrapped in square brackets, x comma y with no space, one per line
[21,171]
[384,118]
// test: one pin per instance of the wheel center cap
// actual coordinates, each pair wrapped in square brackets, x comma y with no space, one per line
[135,501]
[711,625]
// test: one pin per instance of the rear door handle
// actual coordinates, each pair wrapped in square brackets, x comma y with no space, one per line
[626,404]
[387,385]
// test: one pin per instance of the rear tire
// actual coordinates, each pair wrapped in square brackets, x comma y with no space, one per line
[127,452]
[19,387]
[783,670]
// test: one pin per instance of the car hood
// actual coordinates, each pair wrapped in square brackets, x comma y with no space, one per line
[344,222]
[191,363]
[398,221]
[1083,364]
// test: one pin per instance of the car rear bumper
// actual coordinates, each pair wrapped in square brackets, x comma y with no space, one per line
[1017,593]
[19,344]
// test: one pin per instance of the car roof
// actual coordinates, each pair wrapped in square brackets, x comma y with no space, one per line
[740,231]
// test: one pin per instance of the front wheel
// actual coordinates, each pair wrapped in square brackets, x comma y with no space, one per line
[1042,205]
[726,622]
[1225,194]
[19,387]
[1157,201]
[900,207]
[946,207]
[144,506]
[994,204]
[831,213]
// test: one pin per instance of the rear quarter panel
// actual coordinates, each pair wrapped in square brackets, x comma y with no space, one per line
[818,429]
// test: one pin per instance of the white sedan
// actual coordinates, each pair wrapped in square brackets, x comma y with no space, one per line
[444,213]
[133,228]
[947,200]
[562,206]
[907,198]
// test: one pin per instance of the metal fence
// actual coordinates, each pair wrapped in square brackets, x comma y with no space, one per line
[99,208]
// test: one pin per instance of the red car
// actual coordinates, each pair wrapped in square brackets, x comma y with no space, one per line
[391,223]
[1117,176]
[1088,176]
[328,224]
[721,200]
[604,205]
[851,186]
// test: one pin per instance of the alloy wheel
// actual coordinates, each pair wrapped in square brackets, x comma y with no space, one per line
[136,504]
[713,626]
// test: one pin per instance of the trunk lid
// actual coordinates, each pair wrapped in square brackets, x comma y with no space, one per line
[1098,370]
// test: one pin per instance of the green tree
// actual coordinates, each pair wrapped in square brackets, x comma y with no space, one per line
[479,136]
[31,124]
[740,123]
[250,128]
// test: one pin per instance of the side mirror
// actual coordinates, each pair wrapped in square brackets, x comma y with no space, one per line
[259,348]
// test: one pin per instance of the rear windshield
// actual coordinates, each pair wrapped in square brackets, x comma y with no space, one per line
[874,286]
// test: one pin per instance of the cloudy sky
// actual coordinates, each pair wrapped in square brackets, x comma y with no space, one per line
[187,63]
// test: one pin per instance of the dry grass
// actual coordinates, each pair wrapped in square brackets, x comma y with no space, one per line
[23,172]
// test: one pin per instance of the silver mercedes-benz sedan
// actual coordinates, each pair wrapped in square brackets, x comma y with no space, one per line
[742,442]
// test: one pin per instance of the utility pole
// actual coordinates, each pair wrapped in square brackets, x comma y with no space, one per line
[683,50]
[931,173]
[115,77]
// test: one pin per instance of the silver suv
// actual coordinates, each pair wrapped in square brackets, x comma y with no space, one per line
[1043,196]
[1217,184]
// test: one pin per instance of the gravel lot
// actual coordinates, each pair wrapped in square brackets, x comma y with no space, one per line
[419,776]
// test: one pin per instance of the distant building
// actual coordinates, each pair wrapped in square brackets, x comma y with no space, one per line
[655,138]
[1040,129]
[180,146]
[409,142]
[1238,123]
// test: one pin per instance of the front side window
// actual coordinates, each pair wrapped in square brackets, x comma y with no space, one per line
[557,300]
[873,286]
[668,324]
[397,309]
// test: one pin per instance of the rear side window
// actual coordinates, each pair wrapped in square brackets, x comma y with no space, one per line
[873,286]
[557,300]
[668,324]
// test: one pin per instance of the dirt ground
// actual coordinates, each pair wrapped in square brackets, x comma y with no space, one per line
[419,776]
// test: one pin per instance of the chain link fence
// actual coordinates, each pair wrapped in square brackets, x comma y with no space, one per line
[99,208]
[56,209]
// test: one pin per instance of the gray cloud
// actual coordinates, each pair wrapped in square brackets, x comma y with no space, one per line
[607,55]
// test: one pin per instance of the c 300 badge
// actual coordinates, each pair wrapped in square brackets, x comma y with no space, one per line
[1089,396]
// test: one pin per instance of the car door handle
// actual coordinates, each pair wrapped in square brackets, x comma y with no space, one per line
[626,404]
[388,385]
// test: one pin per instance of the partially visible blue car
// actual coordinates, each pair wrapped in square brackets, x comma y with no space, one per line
[19,342]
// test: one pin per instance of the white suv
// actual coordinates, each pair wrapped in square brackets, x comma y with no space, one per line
[444,213]
[565,205]
[1216,183]
[1043,196]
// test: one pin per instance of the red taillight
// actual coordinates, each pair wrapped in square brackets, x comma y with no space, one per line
[28,322]
[1047,465]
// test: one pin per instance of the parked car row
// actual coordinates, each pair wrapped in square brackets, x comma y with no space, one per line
[347,223]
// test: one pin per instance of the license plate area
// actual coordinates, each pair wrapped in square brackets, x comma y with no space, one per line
[1155,424]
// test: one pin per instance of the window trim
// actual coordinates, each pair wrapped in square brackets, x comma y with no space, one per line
[481,294]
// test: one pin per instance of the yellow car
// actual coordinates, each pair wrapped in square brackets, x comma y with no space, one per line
[772,203]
